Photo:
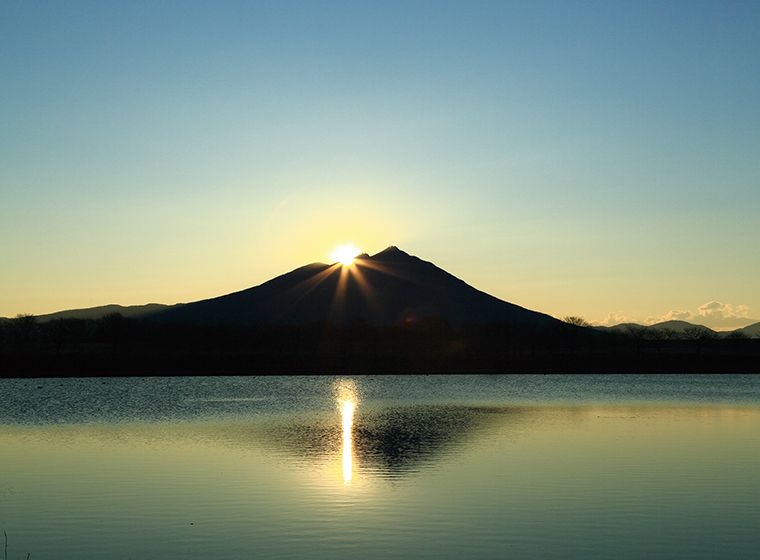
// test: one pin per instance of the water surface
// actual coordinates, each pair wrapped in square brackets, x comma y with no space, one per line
[377,467]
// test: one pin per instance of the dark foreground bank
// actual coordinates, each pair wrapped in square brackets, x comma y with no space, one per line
[118,345]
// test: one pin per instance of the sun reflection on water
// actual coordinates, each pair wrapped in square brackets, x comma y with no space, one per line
[347,399]
[347,412]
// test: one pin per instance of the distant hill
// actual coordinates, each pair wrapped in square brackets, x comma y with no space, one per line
[131,311]
[624,328]
[389,288]
[752,331]
[683,327]
[668,329]
[386,313]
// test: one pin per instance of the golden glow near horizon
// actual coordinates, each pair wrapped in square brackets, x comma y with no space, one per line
[347,400]
[344,254]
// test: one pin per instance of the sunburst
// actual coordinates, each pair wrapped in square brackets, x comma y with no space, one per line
[344,254]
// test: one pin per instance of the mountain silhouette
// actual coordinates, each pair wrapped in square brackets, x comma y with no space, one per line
[670,329]
[130,311]
[388,288]
[751,331]
[386,313]
[680,327]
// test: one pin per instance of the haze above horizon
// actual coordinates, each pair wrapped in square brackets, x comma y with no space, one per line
[595,159]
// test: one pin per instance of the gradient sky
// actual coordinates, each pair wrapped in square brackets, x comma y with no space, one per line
[585,158]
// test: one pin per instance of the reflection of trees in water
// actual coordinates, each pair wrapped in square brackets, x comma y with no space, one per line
[393,440]
[399,439]
[386,441]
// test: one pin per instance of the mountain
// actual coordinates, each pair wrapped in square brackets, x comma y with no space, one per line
[681,330]
[670,329]
[389,288]
[623,328]
[680,327]
[752,331]
[132,311]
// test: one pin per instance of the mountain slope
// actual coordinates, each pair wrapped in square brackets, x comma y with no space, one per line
[752,331]
[680,327]
[389,288]
[131,311]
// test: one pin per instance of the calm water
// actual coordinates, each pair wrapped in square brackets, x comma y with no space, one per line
[490,466]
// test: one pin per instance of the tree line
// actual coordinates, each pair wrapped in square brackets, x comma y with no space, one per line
[114,344]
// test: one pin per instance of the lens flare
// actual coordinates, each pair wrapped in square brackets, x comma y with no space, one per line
[344,254]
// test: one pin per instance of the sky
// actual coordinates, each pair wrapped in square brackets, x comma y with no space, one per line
[599,159]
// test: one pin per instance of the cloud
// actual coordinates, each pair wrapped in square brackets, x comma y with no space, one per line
[612,319]
[722,311]
[713,314]
[675,315]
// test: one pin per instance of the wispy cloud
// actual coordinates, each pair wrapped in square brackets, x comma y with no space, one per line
[675,315]
[611,319]
[713,314]
[716,311]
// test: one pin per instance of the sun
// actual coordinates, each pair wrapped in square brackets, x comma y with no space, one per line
[344,254]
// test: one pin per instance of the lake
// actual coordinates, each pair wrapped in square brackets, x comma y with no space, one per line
[468,466]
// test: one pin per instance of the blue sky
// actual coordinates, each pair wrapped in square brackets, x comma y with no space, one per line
[587,158]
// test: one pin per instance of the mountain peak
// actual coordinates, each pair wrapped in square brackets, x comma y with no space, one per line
[391,252]
[388,288]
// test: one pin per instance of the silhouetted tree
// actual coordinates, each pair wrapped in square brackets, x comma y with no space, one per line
[699,333]
[112,328]
[23,327]
[577,321]
[636,331]
[736,335]
[669,334]
[657,334]
[61,332]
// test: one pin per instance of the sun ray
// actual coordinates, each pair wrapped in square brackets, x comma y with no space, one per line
[364,286]
[304,288]
[345,254]
[356,273]
[379,267]
[338,302]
